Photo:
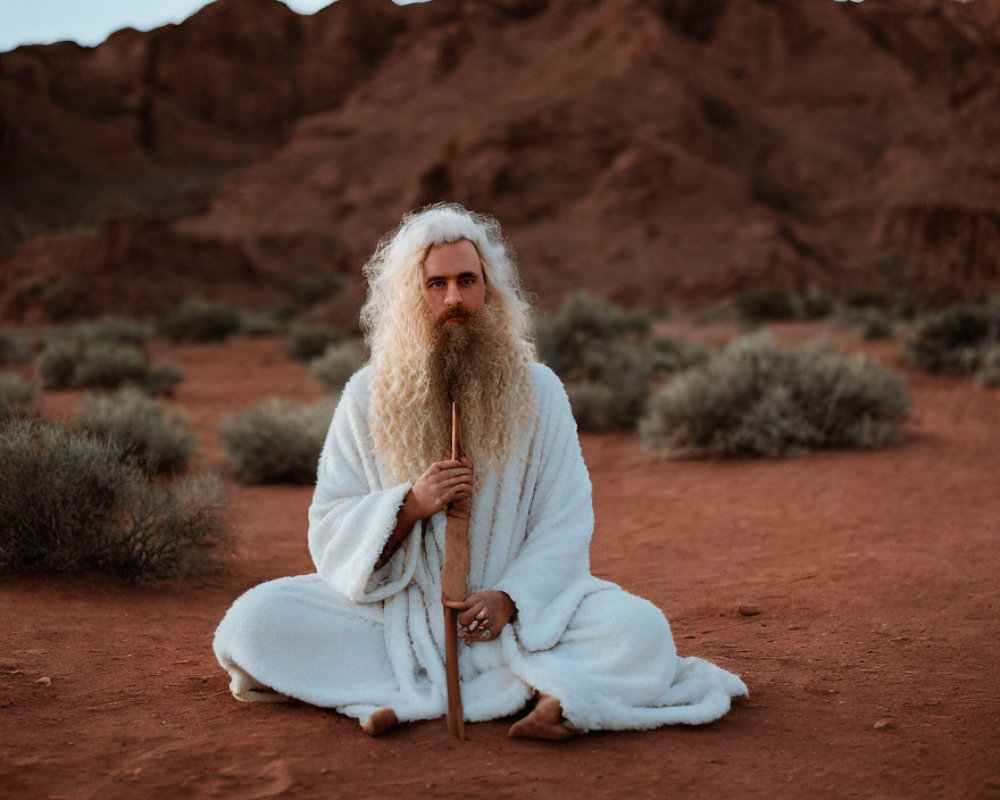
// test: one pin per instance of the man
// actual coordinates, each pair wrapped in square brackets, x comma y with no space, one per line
[445,319]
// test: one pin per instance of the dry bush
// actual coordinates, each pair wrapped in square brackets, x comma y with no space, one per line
[70,503]
[200,321]
[103,364]
[876,324]
[337,364]
[15,348]
[109,365]
[18,397]
[988,375]
[565,336]
[155,438]
[755,398]
[954,340]
[591,404]
[758,305]
[112,330]
[305,344]
[277,441]
[57,365]
[589,343]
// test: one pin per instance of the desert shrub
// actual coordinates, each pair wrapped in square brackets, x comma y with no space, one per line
[758,399]
[110,365]
[264,323]
[867,297]
[150,435]
[102,364]
[591,342]
[14,348]
[668,356]
[875,324]
[758,305]
[305,344]
[337,364]
[591,404]
[565,336]
[113,330]
[277,441]
[955,339]
[69,502]
[57,365]
[816,305]
[18,397]
[200,321]
[988,375]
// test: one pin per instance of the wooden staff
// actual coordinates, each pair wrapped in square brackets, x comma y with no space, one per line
[454,586]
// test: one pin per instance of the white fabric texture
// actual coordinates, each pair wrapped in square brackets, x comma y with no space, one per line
[355,639]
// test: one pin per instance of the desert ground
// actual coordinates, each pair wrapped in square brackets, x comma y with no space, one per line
[872,663]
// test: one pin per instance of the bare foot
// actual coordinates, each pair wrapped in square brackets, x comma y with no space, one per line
[379,722]
[546,721]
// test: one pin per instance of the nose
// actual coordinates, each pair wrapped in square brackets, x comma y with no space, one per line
[453,296]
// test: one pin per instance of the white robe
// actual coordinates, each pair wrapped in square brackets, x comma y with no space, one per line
[355,639]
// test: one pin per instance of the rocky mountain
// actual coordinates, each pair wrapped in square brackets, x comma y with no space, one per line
[656,151]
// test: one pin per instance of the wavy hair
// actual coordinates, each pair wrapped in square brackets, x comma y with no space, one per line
[406,417]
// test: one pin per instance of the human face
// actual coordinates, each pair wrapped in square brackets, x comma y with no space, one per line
[453,281]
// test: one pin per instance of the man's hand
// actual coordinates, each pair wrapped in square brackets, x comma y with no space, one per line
[442,483]
[483,615]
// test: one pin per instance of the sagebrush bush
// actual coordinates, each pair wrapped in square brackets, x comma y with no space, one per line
[18,397]
[816,305]
[668,356]
[305,344]
[988,375]
[113,330]
[57,365]
[277,441]
[954,340]
[105,365]
[14,347]
[876,324]
[758,305]
[591,342]
[756,398]
[201,321]
[155,438]
[591,404]
[70,503]
[110,365]
[337,364]
[565,336]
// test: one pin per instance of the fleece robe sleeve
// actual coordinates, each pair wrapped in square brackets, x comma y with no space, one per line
[550,572]
[352,515]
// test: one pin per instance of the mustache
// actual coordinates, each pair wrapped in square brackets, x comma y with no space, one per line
[458,312]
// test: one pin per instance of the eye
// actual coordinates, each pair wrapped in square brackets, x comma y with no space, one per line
[468,281]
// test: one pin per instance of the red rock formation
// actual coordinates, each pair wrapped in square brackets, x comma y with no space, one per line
[655,150]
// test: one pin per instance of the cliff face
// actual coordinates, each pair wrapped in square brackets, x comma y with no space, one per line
[654,150]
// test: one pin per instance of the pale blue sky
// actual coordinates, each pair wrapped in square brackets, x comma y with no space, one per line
[90,21]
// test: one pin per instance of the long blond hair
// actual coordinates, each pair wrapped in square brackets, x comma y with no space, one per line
[406,422]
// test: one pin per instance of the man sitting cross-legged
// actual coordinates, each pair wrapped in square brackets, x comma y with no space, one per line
[445,318]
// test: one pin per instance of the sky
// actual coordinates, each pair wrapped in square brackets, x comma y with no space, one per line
[90,21]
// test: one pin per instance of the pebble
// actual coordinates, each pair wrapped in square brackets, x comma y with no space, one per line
[748,609]
[882,723]
[44,681]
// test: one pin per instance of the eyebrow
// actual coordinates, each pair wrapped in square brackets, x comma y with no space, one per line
[442,277]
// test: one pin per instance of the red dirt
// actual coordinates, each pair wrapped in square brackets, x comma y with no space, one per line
[872,665]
